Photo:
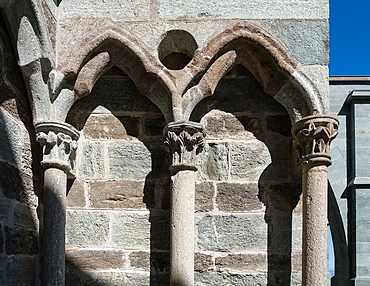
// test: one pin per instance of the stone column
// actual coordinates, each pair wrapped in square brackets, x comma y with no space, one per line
[59,144]
[312,137]
[184,140]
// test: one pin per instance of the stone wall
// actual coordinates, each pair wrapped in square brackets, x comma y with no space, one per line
[118,206]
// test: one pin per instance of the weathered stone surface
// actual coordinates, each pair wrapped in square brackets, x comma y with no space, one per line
[248,160]
[232,232]
[118,278]
[10,139]
[86,228]
[10,181]
[2,241]
[117,194]
[140,259]
[129,160]
[244,262]
[3,263]
[220,125]
[212,163]
[280,124]
[202,262]
[216,278]
[92,160]
[160,262]
[20,241]
[5,204]
[237,197]
[95,259]
[285,196]
[153,126]
[204,193]
[76,195]
[117,95]
[110,127]
[132,11]
[131,230]
[282,9]
[160,231]
[23,216]
[21,270]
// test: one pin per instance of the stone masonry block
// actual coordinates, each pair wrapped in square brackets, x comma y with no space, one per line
[204,193]
[131,231]
[23,216]
[232,232]
[93,160]
[282,9]
[217,278]
[153,126]
[95,259]
[20,241]
[86,228]
[117,194]
[248,160]
[160,231]
[21,270]
[118,278]
[110,127]
[5,204]
[212,163]
[242,262]
[129,160]
[76,195]
[203,262]
[140,260]
[234,197]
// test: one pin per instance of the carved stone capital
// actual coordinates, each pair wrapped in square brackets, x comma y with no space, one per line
[312,138]
[184,140]
[59,143]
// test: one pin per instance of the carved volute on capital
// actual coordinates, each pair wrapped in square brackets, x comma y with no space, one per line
[184,140]
[312,138]
[59,144]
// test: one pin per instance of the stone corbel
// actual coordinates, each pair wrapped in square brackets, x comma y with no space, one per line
[312,138]
[184,140]
[59,143]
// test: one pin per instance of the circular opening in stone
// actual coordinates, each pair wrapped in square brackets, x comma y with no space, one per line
[176,49]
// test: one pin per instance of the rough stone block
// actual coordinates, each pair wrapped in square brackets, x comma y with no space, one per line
[204,193]
[86,228]
[220,125]
[283,9]
[93,160]
[217,278]
[95,259]
[280,124]
[3,263]
[121,10]
[2,241]
[118,278]
[21,270]
[234,197]
[160,231]
[160,262]
[203,262]
[153,126]
[23,216]
[232,232]
[140,259]
[10,182]
[242,262]
[117,194]
[20,241]
[212,163]
[76,195]
[110,127]
[248,160]
[4,208]
[129,160]
[131,231]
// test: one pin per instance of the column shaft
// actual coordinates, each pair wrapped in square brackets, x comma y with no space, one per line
[54,226]
[182,228]
[315,236]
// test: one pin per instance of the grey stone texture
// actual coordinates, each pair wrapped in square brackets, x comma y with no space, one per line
[87,228]
[232,232]
[96,259]
[216,278]
[92,160]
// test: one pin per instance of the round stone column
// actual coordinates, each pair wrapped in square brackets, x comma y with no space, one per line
[59,144]
[184,140]
[312,137]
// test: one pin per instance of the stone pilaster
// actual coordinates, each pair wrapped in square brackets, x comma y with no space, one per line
[312,137]
[184,140]
[59,144]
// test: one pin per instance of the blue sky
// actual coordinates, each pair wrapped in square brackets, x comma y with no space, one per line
[349,37]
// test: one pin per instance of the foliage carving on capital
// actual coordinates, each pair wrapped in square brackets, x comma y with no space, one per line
[59,145]
[312,138]
[184,140]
